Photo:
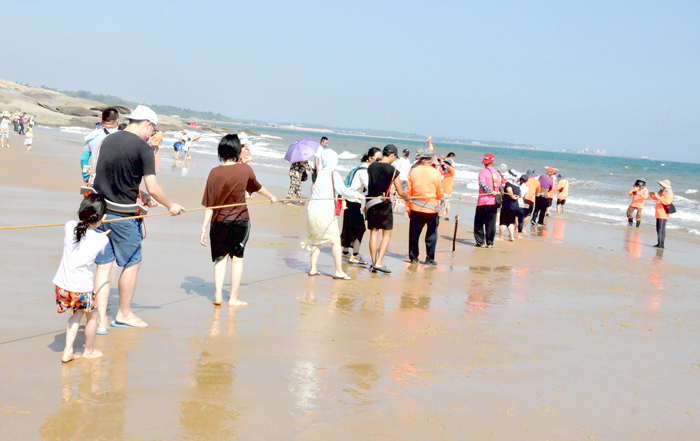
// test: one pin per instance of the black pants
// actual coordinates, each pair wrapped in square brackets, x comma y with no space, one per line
[415,228]
[661,232]
[485,219]
[541,204]
[521,213]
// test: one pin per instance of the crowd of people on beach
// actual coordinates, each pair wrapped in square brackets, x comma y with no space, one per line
[115,163]
[23,125]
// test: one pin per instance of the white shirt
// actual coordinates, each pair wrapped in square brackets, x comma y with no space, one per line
[360,181]
[523,193]
[403,165]
[324,190]
[75,271]
[312,160]
[5,124]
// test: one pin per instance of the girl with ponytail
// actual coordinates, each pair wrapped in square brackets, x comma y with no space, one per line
[74,280]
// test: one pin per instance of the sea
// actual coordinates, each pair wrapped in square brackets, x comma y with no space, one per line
[598,183]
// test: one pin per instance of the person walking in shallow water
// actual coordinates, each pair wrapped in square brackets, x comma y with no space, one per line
[296,176]
[664,207]
[639,194]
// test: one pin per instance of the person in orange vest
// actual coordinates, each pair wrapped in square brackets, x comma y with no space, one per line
[550,194]
[563,189]
[426,191]
[664,207]
[448,182]
[639,194]
[533,186]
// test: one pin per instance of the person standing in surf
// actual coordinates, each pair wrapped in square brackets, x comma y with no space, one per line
[125,159]
[664,202]
[486,208]
[379,211]
[639,194]
[229,228]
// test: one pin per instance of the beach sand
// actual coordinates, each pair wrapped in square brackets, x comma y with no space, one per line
[580,331]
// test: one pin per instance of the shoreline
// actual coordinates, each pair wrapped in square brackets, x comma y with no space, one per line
[581,330]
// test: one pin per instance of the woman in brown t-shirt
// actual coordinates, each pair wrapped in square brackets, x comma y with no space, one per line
[230,226]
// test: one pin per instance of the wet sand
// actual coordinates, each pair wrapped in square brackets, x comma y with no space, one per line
[579,331]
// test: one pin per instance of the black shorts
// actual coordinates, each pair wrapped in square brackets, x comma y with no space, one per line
[380,217]
[228,238]
[313,175]
[561,201]
[507,216]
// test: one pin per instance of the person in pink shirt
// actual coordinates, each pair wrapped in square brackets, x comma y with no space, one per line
[486,208]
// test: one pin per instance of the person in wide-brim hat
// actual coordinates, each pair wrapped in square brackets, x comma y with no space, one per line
[665,184]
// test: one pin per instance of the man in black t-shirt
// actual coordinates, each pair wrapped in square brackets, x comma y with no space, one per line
[380,215]
[123,160]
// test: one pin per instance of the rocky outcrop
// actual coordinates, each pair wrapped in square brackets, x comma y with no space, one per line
[76,111]
[123,110]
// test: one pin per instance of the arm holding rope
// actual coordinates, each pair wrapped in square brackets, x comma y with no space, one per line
[263,191]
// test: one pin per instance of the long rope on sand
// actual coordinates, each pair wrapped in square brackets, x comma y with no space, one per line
[191,210]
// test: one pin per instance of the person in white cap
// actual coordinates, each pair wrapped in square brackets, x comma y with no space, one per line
[123,160]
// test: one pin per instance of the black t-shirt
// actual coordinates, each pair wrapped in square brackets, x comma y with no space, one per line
[381,175]
[123,160]
[508,202]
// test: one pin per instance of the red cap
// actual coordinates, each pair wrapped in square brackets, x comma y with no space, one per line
[488,158]
[550,170]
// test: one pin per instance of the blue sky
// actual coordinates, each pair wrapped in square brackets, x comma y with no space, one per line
[623,76]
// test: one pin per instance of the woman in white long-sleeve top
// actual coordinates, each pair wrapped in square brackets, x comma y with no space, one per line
[321,221]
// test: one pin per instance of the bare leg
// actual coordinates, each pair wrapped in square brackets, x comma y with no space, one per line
[71,333]
[315,252]
[219,275]
[236,275]
[90,328]
[356,246]
[373,236]
[502,230]
[102,291]
[337,258]
[383,247]
[127,287]
[563,209]
[511,231]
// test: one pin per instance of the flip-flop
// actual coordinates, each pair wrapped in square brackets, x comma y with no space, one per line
[382,269]
[314,274]
[103,332]
[342,278]
[117,324]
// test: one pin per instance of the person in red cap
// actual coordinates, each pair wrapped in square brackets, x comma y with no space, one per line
[486,208]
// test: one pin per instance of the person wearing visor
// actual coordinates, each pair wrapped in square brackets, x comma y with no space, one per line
[426,192]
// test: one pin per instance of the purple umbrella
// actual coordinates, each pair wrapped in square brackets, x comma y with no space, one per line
[302,150]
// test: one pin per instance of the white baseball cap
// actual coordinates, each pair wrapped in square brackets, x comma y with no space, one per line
[143,113]
[243,137]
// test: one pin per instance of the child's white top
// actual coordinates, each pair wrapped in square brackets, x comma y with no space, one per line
[75,272]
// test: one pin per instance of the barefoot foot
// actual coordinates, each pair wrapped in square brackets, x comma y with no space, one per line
[236,302]
[92,354]
[70,356]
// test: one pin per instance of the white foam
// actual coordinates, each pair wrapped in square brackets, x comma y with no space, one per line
[691,191]
[77,130]
[270,137]
[347,155]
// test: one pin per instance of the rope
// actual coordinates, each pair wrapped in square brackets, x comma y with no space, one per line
[191,210]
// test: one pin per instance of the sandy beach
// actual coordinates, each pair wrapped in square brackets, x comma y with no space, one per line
[578,331]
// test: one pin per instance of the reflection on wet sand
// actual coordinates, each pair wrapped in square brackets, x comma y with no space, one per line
[208,413]
[93,399]
[633,243]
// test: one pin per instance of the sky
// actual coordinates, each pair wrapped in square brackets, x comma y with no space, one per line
[615,75]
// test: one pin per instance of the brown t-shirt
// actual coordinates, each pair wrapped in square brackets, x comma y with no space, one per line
[226,185]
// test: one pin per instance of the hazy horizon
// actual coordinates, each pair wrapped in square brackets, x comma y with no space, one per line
[618,76]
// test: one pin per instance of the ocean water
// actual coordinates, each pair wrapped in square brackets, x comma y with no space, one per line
[598,184]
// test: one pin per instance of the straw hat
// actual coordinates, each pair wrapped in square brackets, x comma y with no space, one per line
[665,183]
[5,113]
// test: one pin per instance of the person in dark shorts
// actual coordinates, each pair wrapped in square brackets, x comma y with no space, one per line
[510,210]
[379,213]
[123,160]
[229,227]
